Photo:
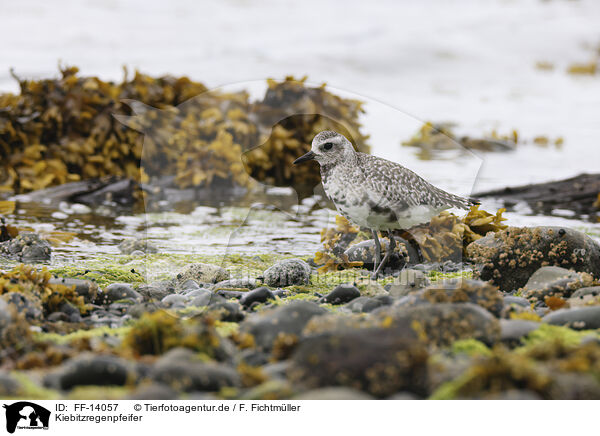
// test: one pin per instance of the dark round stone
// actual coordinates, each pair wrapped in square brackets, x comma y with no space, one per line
[116,292]
[101,370]
[259,295]
[341,294]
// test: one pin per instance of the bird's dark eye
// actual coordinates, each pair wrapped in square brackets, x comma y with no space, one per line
[327,146]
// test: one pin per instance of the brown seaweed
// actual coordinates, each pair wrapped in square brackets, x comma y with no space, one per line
[78,128]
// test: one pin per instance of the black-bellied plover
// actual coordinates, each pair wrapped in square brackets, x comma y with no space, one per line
[375,193]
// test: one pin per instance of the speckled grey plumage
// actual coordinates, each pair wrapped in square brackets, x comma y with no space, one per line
[376,193]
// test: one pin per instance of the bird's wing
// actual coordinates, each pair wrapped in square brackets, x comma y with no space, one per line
[395,187]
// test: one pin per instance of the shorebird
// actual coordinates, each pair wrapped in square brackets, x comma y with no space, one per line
[376,193]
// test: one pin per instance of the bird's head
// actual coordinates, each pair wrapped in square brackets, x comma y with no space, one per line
[328,147]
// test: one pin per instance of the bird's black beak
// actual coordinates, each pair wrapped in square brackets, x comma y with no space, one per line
[308,156]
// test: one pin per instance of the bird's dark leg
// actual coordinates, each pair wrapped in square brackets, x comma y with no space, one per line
[388,253]
[377,259]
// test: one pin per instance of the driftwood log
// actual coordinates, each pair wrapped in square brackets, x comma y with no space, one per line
[578,194]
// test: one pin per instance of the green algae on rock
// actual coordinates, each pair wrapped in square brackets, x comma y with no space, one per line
[158,332]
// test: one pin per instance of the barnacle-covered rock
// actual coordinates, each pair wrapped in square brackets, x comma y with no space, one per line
[461,291]
[26,247]
[554,281]
[508,258]
[37,287]
[288,272]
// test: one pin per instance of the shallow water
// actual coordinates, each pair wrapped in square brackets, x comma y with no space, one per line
[468,62]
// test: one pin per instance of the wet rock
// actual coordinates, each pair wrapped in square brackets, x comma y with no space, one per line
[288,319]
[31,309]
[226,311]
[230,294]
[174,301]
[128,246]
[189,376]
[137,310]
[116,292]
[341,294]
[408,281]
[513,305]
[579,318]
[200,297]
[154,391]
[356,305]
[189,285]
[512,330]
[554,281]
[26,247]
[259,295]
[156,290]
[91,369]
[365,252]
[58,317]
[236,283]
[441,324]
[511,299]
[105,319]
[287,272]
[252,357]
[582,292]
[509,257]
[202,273]
[197,293]
[9,386]
[334,322]
[457,291]
[378,361]
[120,308]
[368,304]
[334,393]
[377,301]
[85,288]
